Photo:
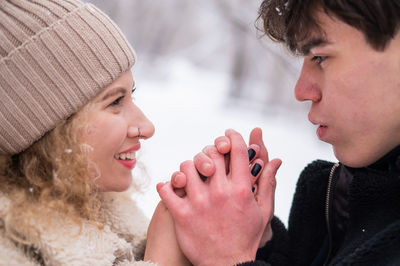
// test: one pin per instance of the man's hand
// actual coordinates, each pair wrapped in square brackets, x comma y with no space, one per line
[221,221]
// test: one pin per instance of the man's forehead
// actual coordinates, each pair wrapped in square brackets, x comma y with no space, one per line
[315,34]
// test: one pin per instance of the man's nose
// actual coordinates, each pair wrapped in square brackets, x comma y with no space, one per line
[307,87]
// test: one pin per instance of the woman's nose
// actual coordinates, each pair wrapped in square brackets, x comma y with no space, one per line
[140,126]
[146,129]
[307,87]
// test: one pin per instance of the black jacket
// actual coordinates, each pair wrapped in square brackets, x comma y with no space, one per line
[363,210]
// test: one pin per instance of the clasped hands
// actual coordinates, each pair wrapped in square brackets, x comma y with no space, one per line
[218,218]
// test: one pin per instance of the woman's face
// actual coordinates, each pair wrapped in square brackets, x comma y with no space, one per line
[112,133]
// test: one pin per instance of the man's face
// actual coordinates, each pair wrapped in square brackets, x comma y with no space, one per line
[354,91]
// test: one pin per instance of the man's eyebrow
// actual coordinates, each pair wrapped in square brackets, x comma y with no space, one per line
[113,93]
[305,48]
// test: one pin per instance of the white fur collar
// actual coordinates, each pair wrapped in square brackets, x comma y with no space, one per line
[121,242]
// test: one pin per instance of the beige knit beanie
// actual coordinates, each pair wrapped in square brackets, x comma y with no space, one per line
[55,55]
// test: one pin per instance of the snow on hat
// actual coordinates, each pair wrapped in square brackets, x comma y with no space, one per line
[55,55]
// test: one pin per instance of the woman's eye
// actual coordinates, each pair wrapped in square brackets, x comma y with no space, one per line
[318,59]
[133,91]
[117,101]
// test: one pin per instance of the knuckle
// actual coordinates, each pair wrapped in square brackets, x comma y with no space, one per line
[207,148]
[243,192]
[199,157]
[272,182]
[183,213]
[199,199]
[185,165]
[220,195]
[212,151]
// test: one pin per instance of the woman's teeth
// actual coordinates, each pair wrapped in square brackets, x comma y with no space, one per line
[125,156]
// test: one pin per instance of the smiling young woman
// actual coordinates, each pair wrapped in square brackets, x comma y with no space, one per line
[69,133]
[114,128]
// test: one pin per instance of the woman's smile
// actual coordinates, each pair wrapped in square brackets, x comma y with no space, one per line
[128,157]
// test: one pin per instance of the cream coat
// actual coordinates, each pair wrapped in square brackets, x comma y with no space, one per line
[121,242]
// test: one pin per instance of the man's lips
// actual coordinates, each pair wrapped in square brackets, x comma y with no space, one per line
[313,120]
[321,131]
[322,128]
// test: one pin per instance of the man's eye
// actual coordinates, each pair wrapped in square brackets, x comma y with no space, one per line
[117,101]
[318,59]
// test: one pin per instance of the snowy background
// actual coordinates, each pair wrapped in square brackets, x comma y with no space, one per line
[202,68]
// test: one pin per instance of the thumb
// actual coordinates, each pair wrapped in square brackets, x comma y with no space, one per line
[266,188]
[169,197]
[256,138]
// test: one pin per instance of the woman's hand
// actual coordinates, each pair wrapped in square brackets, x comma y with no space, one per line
[220,221]
[162,246]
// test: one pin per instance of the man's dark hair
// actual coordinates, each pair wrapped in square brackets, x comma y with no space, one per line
[291,21]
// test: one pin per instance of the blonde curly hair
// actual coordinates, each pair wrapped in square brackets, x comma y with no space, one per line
[53,174]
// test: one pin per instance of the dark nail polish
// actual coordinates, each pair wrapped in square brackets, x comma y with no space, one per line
[253,189]
[251,153]
[256,169]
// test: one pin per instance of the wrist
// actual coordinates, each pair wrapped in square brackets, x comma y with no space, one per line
[228,261]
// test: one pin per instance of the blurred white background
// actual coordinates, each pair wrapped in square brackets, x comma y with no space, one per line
[202,68]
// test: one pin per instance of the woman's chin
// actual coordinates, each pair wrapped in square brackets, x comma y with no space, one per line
[121,185]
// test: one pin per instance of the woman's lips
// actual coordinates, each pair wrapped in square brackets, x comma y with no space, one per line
[134,148]
[130,164]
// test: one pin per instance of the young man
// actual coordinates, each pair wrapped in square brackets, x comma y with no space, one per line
[342,214]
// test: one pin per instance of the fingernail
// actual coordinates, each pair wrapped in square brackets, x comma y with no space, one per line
[256,169]
[159,185]
[175,180]
[253,189]
[251,153]
[206,166]
[222,144]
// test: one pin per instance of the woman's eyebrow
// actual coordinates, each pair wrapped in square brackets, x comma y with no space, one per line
[113,93]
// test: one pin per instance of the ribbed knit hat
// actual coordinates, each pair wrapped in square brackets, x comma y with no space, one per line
[55,55]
